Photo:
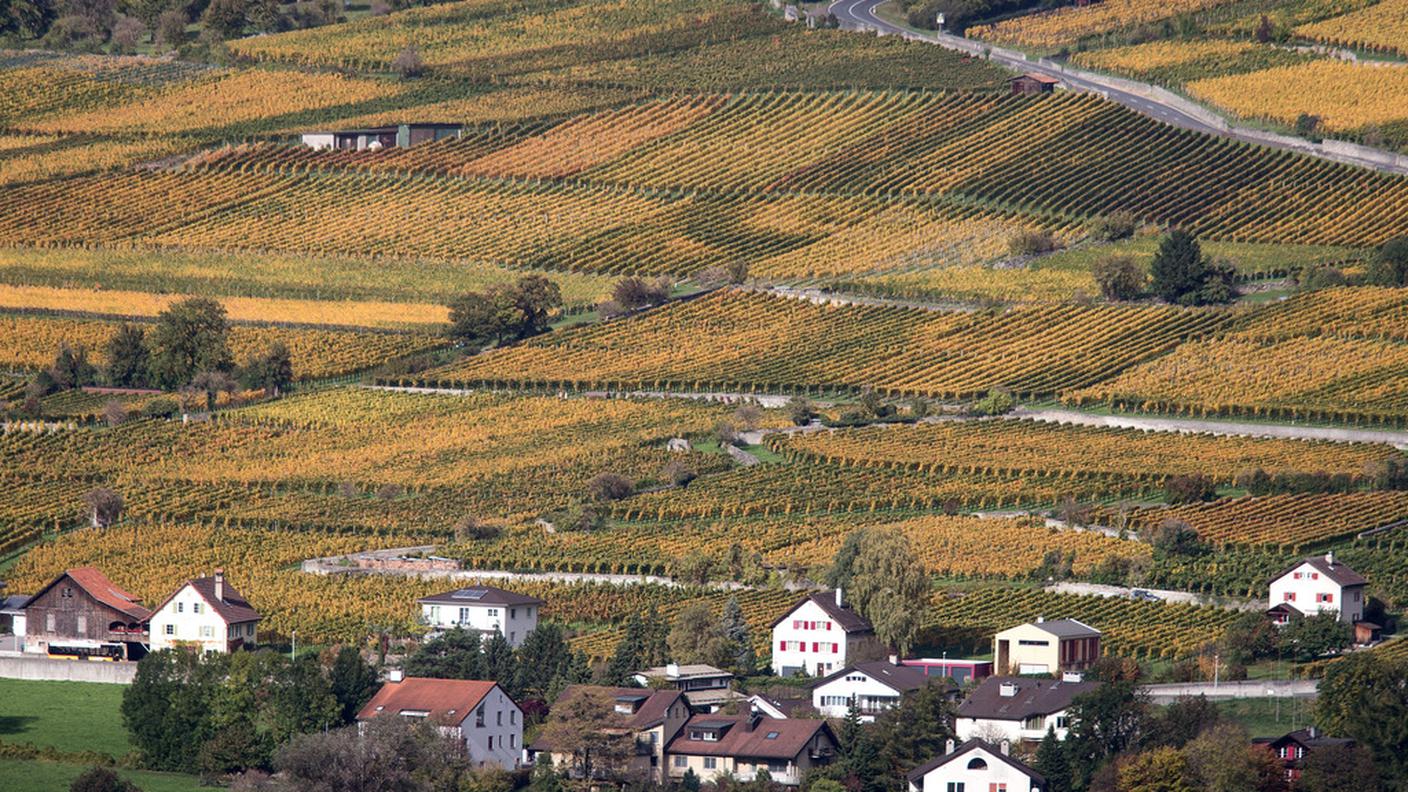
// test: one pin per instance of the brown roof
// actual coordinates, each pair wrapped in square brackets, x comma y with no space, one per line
[1309,738]
[651,706]
[901,679]
[928,767]
[233,609]
[749,736]
[1041,78]
[1330,568]
[845,616]
[106,592]
[1033,697]
[443,700]
[480,595]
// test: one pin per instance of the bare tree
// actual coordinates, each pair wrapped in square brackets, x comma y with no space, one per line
[104,507]
[114,413]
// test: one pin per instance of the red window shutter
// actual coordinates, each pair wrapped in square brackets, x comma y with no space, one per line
[1329,597]
[835,648]
[815,646]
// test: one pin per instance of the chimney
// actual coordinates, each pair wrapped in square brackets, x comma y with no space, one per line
[395,675]
[1314,732]
[220,585]
[840,598]
[672,670]
[1007,689]
[894,660]
[948,746]
[1040,619]
[1006,747]
[1330,557]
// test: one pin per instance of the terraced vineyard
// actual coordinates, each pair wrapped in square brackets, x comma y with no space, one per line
[1013,447]
[744,341]
[1129,627]
[30,342]
[1355,336]
[1286,522]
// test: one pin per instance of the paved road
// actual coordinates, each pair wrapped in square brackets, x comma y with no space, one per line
[1251,688]
[860,14]
[1190,425]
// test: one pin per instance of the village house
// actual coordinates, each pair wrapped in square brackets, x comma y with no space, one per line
[820,635]
[741,746]
[207,614]
[1046,647]
[1291,748]
[1018,708]
[874,687]
[382,137]
[651,717]
[705,688]
[483,609]
[82,614]
[975,766]
[478,713]
[1317,585]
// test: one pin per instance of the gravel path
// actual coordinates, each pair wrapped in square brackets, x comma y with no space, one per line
[1190,425]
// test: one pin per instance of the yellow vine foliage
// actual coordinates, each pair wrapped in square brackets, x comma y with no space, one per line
[1063,26]
[1382,26]
[1346,96]
[1287,522]
[251,309]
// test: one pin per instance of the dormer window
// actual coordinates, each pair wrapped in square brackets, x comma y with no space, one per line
[770,736]
[704,735]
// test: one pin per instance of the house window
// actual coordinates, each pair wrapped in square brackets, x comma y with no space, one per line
[499,721]
[998,787]
[170,629]
[82,625]
[493,613]
[513,717]
[180,607]
[955,786]
[1290,596]
[479,716]
[49,622]
[195,607]
[206,631]
[513,741]
[1061,721]
[977,763]
[710,763]
[680,761]
[1033,643]
[513,613]
[491,742]
[464,615]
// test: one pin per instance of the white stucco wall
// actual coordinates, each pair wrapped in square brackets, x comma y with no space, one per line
[318,140]
[997,730]
[825,642]
[1348,604]
[500,740]
[513,621]
[833,698]
[192,622]
[981,779]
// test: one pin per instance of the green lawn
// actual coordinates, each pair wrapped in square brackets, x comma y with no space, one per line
[1269,717]
[40,776]
[68,716]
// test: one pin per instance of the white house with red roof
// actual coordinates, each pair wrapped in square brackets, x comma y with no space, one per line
[821,635]
[205,613]
[483,609]
[479,713]
[1318,585]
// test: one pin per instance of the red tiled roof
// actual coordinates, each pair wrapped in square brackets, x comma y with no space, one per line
[106,592]
[745,736]
[444,700]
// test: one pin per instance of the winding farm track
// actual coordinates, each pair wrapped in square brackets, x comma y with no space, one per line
[1146,99]
[1195,426]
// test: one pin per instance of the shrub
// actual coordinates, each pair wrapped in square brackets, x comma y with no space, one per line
[1114,226]
[1119,278]
[610,487]
[408,63]
[1194,488]
[1031,243]
[999,401]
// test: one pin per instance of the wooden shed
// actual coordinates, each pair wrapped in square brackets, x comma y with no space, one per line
[1030,83]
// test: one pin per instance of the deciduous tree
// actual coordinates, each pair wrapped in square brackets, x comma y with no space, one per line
[190,337]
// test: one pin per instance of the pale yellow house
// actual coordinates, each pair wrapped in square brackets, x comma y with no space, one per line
[1045,647]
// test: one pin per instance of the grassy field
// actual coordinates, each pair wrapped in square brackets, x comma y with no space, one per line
[1269,717]
[39,776]
[68,716]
